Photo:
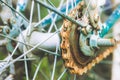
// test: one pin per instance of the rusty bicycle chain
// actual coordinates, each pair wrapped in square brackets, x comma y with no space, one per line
[69,61]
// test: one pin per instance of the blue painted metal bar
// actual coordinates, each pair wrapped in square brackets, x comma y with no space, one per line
[110,22]
[47,20]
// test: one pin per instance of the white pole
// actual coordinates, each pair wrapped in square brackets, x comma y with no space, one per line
[116,54]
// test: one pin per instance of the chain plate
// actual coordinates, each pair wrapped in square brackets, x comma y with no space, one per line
[73,58]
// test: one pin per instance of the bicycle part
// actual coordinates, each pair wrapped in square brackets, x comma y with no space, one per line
[95,41]
[110,22]
[74,59]
[39,44]
[47,20]
[38,37]
[58,12]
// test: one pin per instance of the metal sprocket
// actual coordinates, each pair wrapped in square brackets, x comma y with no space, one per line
[74,59]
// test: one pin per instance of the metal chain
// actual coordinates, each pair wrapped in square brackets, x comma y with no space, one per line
[69,60]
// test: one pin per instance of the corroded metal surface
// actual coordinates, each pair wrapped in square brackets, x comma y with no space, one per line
[73,57]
